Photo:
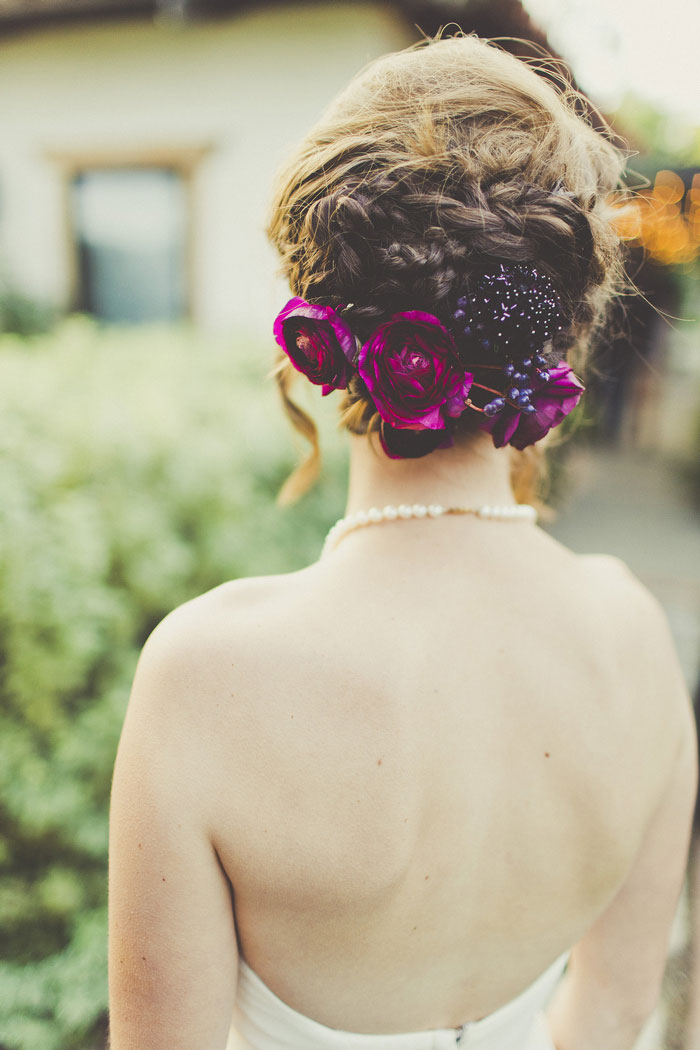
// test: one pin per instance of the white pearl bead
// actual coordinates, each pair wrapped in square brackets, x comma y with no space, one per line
[390,513]
[374,514]
[419,510]
[435,510]
[404,511]
[361,517]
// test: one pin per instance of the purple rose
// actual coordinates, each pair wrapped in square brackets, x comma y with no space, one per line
[413,373]
[318,343]
[552,398]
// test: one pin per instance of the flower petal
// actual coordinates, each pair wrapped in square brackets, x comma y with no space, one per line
[317,341]
[411,369]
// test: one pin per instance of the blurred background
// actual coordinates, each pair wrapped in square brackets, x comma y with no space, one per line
[142,448]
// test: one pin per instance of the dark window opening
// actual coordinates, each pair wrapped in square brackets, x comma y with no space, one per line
[130,233]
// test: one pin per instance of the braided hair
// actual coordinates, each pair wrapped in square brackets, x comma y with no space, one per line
[434,162]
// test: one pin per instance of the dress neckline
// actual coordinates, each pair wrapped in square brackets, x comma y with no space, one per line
[256,999]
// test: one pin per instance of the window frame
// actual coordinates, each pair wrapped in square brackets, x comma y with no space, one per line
[183,160]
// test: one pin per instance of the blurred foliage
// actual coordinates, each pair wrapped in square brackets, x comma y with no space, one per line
[138,468]
[22,315]
[661,136]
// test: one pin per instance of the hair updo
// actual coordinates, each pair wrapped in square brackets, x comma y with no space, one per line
[433,163]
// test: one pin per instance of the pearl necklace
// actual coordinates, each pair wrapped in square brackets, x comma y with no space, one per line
[374,516]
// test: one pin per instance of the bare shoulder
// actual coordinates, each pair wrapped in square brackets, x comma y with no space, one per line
[204,615]
[638,615]
[640,637]
[194,705]
[613,572]
[190,658]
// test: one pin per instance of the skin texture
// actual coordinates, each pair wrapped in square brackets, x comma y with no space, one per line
[402,781]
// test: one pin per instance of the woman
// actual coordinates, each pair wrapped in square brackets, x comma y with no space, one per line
[382,802]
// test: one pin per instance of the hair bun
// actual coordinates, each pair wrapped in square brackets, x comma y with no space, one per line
[434,164]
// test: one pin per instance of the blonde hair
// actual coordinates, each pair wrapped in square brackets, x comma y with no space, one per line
[434,161]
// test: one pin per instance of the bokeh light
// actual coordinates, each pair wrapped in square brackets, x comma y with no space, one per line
[664,219]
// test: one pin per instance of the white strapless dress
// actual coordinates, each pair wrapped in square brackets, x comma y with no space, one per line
[263,1022]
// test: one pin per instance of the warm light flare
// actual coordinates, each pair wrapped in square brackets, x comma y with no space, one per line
[665,219]
[668,187]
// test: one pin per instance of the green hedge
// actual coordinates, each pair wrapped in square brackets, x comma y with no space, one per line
[137,469]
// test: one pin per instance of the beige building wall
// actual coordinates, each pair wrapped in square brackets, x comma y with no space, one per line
[233,94]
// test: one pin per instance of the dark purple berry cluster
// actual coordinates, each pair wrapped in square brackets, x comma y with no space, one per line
[520,376]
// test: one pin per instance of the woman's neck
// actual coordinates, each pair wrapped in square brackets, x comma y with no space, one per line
[471,473]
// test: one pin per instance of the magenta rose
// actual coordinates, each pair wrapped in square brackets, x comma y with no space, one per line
[318,343]
[413,373]
[552,400]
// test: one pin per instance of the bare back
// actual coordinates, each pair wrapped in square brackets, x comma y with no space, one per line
[428,762]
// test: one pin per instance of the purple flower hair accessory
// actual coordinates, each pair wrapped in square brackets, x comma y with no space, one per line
[412,371]
[318,343]
[422,374]
[526,413]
